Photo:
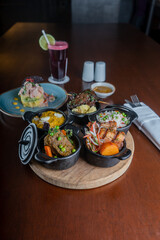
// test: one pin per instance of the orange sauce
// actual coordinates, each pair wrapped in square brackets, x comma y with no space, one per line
[102,89]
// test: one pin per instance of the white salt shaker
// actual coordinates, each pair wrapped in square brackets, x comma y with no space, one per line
[88,71]
[100,72]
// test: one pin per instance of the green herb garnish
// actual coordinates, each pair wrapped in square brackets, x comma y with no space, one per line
[52,131]
[91,98]
[69,134]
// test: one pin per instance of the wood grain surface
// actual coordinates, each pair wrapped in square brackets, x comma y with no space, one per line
[83,175]
[127,208]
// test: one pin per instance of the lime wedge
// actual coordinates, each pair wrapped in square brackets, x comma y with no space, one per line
[42,41]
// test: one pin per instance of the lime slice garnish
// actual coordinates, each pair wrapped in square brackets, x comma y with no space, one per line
[42,41]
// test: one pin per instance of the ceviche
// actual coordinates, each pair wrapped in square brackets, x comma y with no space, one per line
[103,138]
[32,94]
[119,117]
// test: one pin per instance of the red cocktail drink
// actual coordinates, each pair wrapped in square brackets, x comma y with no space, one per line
[58,59]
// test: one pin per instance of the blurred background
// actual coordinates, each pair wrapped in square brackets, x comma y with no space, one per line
[143,14]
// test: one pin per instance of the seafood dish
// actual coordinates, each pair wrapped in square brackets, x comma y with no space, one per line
[103,138]
[59,143]
[84,102]
[48,119]
[32,94]
[120,118]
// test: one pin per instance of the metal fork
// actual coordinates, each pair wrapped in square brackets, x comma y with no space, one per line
[135,100]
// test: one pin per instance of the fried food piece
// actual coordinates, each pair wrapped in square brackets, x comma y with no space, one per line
[108,131]
[119,140]
[102,133]
[112,125]
[110,135]
[81,109]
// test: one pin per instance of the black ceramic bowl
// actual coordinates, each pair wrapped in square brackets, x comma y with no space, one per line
[28,116]
[83,118]
[129,113]
[60,163]
[106,161]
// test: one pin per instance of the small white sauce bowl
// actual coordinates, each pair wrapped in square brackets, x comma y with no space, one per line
[103,84]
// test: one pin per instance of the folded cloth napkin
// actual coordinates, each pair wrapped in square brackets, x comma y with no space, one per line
[148,122]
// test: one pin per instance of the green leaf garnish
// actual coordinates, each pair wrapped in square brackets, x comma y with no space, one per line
[52,131]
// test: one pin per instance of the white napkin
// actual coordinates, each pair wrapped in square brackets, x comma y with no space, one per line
[148,122]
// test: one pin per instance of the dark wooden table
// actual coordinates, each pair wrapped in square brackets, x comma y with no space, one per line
[128,208]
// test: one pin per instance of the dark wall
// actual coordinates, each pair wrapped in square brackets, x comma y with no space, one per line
[12,11]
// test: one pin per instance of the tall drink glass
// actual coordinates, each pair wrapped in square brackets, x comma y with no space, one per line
[58,60]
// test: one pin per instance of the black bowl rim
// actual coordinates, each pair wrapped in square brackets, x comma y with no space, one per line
[80,115]
[120,107]
[52,160]
[33,114]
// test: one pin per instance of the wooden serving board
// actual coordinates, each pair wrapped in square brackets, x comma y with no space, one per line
[83,175]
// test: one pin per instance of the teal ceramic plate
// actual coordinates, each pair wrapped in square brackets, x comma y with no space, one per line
[7,100]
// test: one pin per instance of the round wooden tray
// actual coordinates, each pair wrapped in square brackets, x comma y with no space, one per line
[83,175]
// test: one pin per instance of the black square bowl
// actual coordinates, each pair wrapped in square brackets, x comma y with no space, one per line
[59,163]
[106,161]
[129,113]
[83,118]
[29,115]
